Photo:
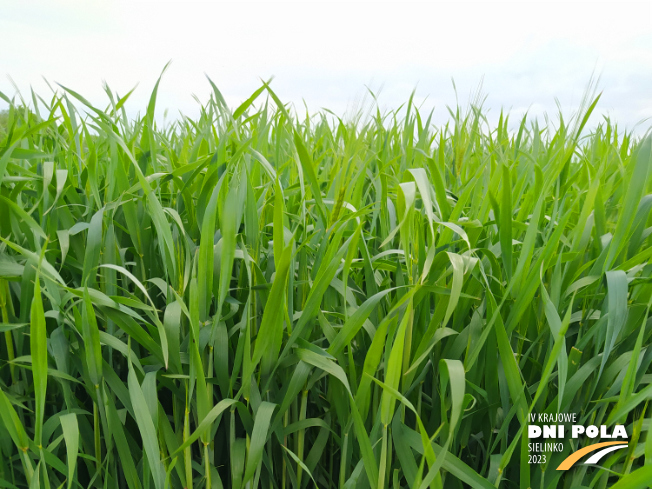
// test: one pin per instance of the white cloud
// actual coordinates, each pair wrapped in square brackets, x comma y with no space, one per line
[529,53]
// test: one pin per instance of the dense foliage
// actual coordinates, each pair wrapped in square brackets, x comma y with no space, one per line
[256,299]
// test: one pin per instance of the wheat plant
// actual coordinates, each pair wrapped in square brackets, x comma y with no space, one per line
[259,299]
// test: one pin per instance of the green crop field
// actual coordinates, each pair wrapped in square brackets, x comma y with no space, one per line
[263,299]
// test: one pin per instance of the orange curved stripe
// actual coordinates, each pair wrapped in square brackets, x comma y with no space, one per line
[575,456]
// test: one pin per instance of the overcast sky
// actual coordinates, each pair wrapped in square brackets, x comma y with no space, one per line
[527,55]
